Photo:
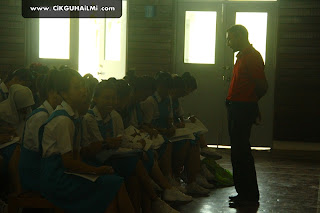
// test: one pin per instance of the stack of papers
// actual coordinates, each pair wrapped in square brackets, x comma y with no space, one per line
[187,133]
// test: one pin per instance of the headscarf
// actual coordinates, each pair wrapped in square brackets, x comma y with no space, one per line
[19,97]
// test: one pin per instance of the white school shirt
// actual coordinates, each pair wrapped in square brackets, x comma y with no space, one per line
[33,125]
[180,111]
[4,89]
[59,132]
[134,118]
[150,108]
[92,128]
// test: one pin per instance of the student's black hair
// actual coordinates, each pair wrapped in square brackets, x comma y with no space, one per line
[239,30]
[178,82]
[104,84]
[123,88]
[163,78]
[189,80]
[38,69]
[41,83]
[90,83]
[47,83]
[23,74]
[143,83]
[64,77]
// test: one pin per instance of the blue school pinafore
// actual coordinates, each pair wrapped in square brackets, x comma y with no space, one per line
[72,193]
[162,122]
[30,163]
[123,166]
[177,145]
[3,94]
[150,154]
[7,153]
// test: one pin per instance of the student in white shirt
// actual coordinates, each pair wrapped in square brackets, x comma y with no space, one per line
[142,88]
[157,119]
[190,86]
[158,113]
[19,76]
[59,142]
[185,152]
[13,112]
[103,124]
[29,164]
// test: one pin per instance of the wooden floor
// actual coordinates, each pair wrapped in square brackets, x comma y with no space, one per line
[288,182]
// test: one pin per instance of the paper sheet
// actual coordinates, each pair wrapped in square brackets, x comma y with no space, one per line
[197,126]
[154,143]
[90,177]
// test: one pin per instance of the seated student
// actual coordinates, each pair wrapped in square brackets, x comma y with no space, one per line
[13,112]
[38,71]
[103,125]
[59,143]
[157,118]
[90,83]
[190,86]
[29,164]
[20,76]
[142,88]
[177,91]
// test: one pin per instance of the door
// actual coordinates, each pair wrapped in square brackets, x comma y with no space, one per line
[207,102]
[113,46]
[200,51]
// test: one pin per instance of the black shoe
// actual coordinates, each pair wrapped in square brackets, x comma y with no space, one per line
[243,203]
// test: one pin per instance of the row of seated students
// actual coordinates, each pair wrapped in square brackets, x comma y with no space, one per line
[75,150]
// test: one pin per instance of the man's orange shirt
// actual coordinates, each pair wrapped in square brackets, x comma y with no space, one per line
[249,66]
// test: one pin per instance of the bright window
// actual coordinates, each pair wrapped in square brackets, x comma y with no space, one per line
[89,46]
[256,24]
[54,38]
[200,37]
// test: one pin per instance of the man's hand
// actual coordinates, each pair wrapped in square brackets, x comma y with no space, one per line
[258,119]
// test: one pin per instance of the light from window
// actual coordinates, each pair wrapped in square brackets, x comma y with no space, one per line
[200,37]
[54,38]
[256,24]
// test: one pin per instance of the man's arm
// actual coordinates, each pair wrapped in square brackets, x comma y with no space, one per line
[261,87]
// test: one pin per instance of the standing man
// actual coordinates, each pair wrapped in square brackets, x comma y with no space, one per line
[247,86]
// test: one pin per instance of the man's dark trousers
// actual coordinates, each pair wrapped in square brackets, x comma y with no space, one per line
[241,117]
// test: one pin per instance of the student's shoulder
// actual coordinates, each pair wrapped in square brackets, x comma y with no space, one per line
[41,116]
[115,114]
[60,121]
[149,101]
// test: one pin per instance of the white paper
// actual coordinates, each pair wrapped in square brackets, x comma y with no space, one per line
[90,177]
[197,126]
[184,137]
[14,140]
[153,143]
